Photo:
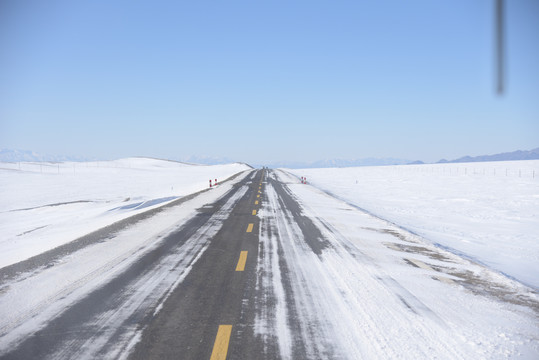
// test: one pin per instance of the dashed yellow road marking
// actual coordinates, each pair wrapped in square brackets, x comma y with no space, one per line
[241,261]
[254,212]
[256,202]
[250,227]
[220,347]
[258,196]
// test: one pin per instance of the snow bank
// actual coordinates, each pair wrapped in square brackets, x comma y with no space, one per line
[44,205]
[485,211]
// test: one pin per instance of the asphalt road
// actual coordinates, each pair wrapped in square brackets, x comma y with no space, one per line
[212,294]
[256,275]
[218,295]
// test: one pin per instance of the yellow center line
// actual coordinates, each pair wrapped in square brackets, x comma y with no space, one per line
[254,212]
[258,196]
[250,227]
[256,202]
[241,261]
[220,347]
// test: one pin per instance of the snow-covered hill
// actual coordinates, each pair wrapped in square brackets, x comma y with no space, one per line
[44,205]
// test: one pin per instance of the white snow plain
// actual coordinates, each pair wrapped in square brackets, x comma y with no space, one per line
[45,205]
[488,211]
[377,291]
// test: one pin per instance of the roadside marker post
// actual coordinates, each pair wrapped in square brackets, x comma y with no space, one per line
[210,182]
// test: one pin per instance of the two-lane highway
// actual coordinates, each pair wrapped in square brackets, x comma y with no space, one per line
[202,318]
[276,269]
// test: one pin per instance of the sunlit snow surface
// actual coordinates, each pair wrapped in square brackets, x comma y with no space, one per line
[485,211]
[377,291]
[44,205]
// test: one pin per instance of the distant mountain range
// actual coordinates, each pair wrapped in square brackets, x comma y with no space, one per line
[7,155]
[10,155]
[328,163]
[508,156]
[206,160]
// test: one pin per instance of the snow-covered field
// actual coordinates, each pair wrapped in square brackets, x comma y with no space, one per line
[44,205]
[488,212]
[373,290]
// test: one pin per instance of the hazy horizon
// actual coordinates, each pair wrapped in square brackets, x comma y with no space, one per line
[20,155]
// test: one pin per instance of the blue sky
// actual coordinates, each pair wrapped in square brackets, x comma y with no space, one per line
[262,81]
